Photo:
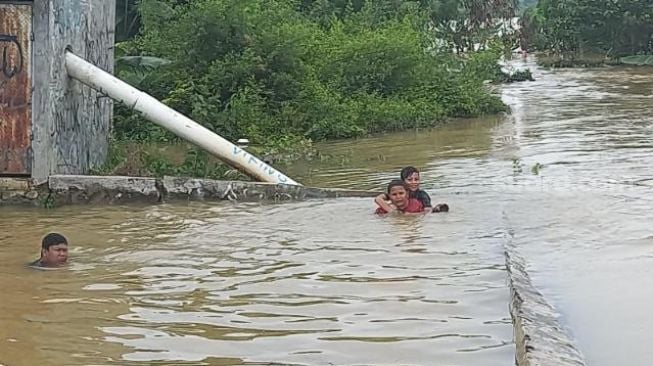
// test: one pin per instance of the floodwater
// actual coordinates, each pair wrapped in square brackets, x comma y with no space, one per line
[326,283]
[310,283]
[569,171]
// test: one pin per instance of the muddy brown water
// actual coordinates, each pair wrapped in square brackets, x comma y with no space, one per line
[326,283]
[582,221]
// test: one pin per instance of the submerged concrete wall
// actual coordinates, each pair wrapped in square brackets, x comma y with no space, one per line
[81,189]
[540,339]
[15,191]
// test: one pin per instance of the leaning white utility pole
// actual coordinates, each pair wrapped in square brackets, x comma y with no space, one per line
[168,118]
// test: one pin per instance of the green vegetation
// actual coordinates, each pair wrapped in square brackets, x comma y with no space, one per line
[157,160]
[588,32]
[283,73]
[535,169]
[47,201]
[517,76]
[518,167]
[638,60]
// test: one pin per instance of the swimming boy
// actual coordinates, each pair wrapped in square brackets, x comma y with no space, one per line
[54,251]
[409,175]
[399,197]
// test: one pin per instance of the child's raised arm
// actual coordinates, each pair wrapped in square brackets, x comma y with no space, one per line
[380,200]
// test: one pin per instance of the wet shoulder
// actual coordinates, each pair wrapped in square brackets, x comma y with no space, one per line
[423,197]
[39,266]
[37,263]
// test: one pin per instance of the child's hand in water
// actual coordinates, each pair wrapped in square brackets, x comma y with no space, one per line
[441,207]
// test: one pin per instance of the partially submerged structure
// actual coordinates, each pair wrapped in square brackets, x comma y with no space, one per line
[56,92]
[49,123]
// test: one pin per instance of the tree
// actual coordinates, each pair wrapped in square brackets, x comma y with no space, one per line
[575,26]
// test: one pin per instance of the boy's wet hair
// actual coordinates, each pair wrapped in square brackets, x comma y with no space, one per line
[407,172]
[441,207]
[53,239]
[396,183]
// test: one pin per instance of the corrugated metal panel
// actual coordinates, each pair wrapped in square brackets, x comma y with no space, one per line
[15,89]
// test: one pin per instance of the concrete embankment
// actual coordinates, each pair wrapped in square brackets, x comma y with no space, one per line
[76,189]
[540,339]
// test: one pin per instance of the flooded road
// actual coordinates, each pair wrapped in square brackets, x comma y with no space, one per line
[570,173]
[583,225]
[327,283]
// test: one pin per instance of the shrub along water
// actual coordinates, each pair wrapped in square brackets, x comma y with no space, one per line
[588,32]
[276,71]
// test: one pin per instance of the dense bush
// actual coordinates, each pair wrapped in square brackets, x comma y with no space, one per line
[273,69]
[578,27]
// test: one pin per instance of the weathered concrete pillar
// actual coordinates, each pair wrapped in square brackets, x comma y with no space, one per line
[70,121]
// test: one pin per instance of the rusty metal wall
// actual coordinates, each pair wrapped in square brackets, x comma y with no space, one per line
[15,89]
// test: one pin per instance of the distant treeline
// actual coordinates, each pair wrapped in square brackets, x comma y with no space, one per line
[612,28]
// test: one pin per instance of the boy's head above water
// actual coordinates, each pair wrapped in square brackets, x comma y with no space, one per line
[398,193]
[54,250]
[441,207]
[410,175]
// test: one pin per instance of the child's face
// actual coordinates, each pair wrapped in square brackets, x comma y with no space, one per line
[413,181]
[398,196]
